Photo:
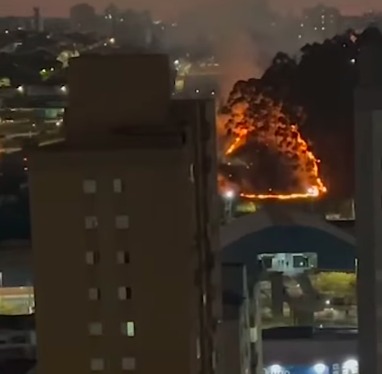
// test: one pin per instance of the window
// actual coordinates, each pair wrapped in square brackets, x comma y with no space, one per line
[91,258]
[117,185]
[122,222]
[128,328]
[123,257]
[89,186]
[91,222]
[124,293]
[95,328]
[94,293]
[97,364]
[128,363]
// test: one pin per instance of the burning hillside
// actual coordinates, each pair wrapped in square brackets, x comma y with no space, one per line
[263,155]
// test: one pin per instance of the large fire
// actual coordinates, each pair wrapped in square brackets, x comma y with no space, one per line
[263,155]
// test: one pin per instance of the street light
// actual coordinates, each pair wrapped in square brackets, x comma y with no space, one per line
[228,197]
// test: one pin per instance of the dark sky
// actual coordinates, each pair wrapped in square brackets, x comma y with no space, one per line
[164,8]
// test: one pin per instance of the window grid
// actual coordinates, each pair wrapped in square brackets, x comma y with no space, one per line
[95,328]
[124,293]
[97,364]
[89,186]
[91,222]
[123,257]
[128,328]
[94,293]
[122,222]
[91,257]
[128,363]
[117,185]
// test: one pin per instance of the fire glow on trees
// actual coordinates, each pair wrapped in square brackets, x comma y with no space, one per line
[263,153]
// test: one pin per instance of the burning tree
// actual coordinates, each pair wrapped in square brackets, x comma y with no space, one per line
[263,154]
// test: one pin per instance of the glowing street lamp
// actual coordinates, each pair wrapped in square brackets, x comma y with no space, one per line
[228,197]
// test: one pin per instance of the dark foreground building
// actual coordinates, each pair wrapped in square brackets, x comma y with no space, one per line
[123,223]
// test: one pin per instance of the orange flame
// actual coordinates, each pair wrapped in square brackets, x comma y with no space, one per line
[275,131]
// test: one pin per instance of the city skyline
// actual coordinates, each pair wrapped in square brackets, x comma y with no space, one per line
[170,8]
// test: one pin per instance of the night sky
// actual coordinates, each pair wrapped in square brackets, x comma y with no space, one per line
[168,8]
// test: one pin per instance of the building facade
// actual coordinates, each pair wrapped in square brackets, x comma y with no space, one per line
[123,221]
[368,163]
[240,346]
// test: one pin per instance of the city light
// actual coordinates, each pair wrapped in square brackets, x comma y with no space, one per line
[229,194]
[64,89]
[350,366]
[20,89]
[320,368]
[275,369]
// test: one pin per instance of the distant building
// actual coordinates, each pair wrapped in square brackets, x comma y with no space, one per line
[134,29]
[124,221]
[319,23]
[38,24]
[83,17]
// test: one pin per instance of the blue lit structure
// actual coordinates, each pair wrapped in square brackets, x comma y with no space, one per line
[349,366]
[245,238]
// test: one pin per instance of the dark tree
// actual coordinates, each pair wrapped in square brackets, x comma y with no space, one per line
[322,81]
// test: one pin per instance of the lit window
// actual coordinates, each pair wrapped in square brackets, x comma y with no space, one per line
[91,222]
[122,222]
[97,364]
[91,258]
[128,328]
[89,186]
[117,185]
[124,293]
[94,293]
[95,328]
[128,363]
[123,257]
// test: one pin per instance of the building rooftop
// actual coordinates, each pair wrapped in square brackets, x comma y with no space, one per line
[308,332]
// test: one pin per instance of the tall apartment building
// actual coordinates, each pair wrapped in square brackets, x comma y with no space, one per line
[368,144]
[124,226]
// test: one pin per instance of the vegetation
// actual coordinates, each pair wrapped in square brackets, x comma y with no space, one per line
[322,80]
[337,285]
